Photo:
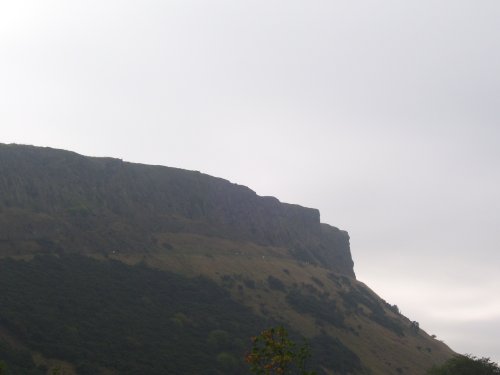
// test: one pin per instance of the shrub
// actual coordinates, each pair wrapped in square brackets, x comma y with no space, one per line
[466,365]
[275,283]
[274,353]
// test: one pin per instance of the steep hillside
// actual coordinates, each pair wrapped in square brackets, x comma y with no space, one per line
[190,264]
[61,199]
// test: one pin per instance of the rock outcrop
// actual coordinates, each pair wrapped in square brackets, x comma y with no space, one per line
[55,200]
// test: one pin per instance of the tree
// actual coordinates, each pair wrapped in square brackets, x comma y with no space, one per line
[273,353]
[466,365]
[415,326]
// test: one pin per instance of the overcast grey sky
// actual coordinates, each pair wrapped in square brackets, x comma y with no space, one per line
[382,114]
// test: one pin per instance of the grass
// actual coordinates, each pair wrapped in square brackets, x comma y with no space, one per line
[383,351]
[233,264]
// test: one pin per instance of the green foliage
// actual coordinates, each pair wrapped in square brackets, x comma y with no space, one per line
[361,296]
[227,362]
[219,339]
[331,353]
[273,353]
[466,365]
[394,308]
[275,283]
[325,310]
[249,283]
[16,361]
[135,320]
[227,281]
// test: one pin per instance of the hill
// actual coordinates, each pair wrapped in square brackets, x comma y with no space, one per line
[119,268]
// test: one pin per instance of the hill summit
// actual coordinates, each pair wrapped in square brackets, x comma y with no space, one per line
[70,193]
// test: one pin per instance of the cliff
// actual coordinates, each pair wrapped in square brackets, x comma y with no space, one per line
[55,200]
[113,267]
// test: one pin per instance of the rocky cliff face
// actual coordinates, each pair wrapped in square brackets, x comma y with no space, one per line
[54,200]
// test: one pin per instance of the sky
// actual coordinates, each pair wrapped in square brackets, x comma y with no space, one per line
[384,115]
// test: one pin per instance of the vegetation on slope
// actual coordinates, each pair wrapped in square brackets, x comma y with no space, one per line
[466,365]
[267,262]
[132,319]
[17,361]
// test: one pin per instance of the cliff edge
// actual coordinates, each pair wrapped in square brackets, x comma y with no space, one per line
[59,201]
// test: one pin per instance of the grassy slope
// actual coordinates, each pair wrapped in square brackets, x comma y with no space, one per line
[231,263]
[244,269]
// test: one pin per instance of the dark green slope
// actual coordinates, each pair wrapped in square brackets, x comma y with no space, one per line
[133,319]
